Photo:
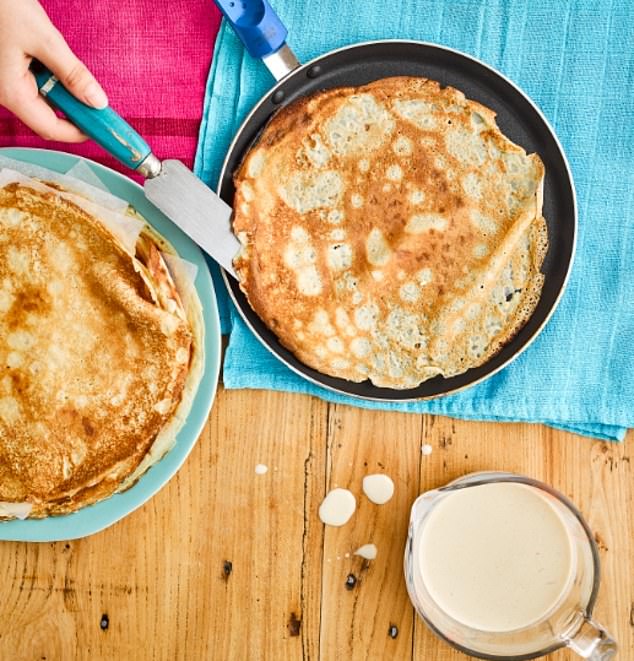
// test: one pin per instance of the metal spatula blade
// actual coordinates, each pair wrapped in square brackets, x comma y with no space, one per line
[169,185]
[195,209]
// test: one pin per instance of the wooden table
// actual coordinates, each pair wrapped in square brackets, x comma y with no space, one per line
[227,564]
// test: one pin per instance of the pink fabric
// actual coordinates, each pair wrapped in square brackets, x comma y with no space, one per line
[152,58]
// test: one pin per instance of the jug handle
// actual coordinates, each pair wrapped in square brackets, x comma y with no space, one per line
[592,641]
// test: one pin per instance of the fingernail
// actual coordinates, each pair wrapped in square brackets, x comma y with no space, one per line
[95,96]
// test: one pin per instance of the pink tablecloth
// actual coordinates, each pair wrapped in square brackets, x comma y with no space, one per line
[152,58]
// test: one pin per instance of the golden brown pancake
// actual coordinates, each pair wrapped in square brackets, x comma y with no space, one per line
[98,353]
[390,232]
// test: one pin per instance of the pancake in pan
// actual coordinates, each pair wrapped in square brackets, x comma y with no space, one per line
[390,232]
[100,355]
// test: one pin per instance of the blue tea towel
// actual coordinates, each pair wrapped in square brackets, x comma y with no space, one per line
[576,61]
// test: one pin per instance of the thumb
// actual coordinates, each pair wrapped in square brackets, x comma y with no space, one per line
[71,71]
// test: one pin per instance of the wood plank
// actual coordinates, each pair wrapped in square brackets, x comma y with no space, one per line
[160,574]
[356,622]
[268,607]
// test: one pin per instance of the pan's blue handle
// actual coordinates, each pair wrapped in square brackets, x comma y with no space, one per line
[105,127]
[257,25]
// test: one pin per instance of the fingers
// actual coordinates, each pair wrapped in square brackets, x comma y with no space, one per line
[26,103]
[26,32]
[55,53]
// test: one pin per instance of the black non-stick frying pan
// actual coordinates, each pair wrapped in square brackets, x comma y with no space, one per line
[193,207]
[518,118]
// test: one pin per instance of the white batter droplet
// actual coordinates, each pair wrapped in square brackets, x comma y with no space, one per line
[260,469]
[426,449]
[378,488]
[367,551]
[337,507]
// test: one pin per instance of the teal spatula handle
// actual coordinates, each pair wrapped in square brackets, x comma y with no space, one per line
[106,127]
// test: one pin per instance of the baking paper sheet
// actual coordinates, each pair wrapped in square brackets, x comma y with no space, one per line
[85,189]
[80,179]
[124,227]
[18,510]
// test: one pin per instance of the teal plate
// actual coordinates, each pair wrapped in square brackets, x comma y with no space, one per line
[94,518]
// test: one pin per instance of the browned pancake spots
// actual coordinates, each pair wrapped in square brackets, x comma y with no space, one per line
[365,217]
[90,375]
[87,425]
[28,301]
[20,382]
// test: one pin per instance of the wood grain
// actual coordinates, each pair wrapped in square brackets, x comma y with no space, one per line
[356,622]
[227,564]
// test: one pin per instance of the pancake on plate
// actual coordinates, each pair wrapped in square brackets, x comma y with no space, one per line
[390,232]
[100,353]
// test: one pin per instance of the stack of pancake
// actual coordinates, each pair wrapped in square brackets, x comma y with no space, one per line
[390,232]
[100,353]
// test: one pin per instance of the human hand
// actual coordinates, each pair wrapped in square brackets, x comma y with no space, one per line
[25,33]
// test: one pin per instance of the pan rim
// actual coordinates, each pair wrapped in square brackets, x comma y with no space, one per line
[535,334]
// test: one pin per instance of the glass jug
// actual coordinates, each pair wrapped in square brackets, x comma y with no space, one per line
[567,619]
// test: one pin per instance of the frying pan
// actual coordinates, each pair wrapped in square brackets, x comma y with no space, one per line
[518,117]
[196,207]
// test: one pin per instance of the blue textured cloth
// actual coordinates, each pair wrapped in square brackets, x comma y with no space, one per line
[576,60]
